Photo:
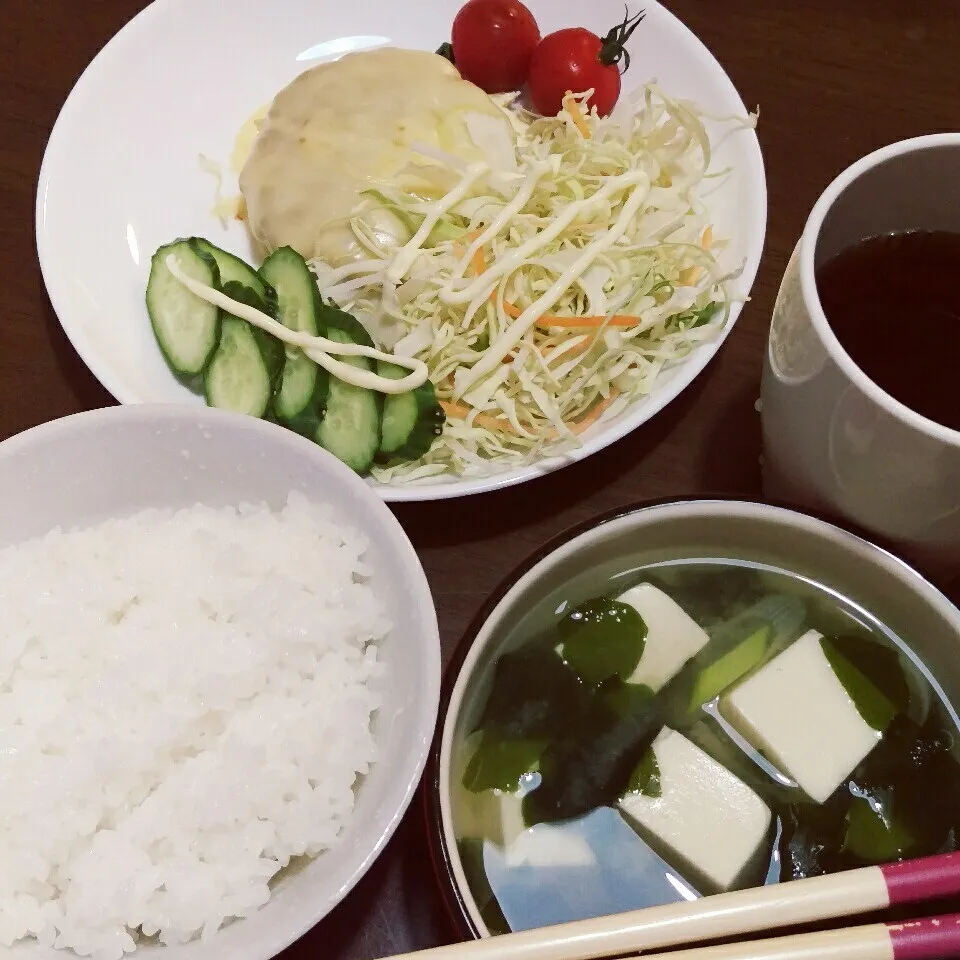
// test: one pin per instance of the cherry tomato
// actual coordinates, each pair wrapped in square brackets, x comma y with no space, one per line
[575,60]
[493,41]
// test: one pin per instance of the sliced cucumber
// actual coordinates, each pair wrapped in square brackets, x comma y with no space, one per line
[307,421]
[298,389]
[238,377]
[233,269]
[350,428]
[303,386]
[335,319]
[270,347]
[412,420]
[187,328]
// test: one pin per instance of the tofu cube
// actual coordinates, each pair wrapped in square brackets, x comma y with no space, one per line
[496,817]
[796,712]
[549,845]
[673,637]
[511,818]
[492,815]
[711,822]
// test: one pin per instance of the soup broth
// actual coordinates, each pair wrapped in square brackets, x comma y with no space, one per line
[696,726]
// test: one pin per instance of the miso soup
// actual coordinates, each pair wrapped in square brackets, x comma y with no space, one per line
[694,727]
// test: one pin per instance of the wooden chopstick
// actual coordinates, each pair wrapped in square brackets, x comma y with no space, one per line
[933,938]
[720,916]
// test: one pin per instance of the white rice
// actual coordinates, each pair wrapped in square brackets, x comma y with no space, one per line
[185,704]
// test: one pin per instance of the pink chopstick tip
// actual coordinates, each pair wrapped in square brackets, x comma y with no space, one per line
[924,879]
[936,938]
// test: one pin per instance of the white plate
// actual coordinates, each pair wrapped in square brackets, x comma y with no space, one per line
[121,173]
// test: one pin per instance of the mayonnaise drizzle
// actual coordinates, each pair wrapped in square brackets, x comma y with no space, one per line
[525,251]
[514,333]
[503,218]
[318,349]
[408,252]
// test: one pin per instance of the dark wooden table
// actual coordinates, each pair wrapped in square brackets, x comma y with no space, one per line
[834,80]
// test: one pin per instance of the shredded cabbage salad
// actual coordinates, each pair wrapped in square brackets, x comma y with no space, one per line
[548,286]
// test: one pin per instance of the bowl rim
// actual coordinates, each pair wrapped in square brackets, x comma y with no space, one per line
[453,898]
[398,794]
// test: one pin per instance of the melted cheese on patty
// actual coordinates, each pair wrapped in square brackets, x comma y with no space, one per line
[345,127]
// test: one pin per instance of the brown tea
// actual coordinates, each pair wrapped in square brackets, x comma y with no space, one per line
[894,303]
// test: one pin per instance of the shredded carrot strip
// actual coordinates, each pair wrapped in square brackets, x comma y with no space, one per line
[579,348]
[576,115]
[593,414]
[462,411]
[479,261]
[548,320]
[617,320]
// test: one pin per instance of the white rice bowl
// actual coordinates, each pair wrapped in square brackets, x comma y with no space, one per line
[194,697]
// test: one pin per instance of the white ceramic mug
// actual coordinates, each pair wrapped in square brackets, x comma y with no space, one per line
[833,440]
